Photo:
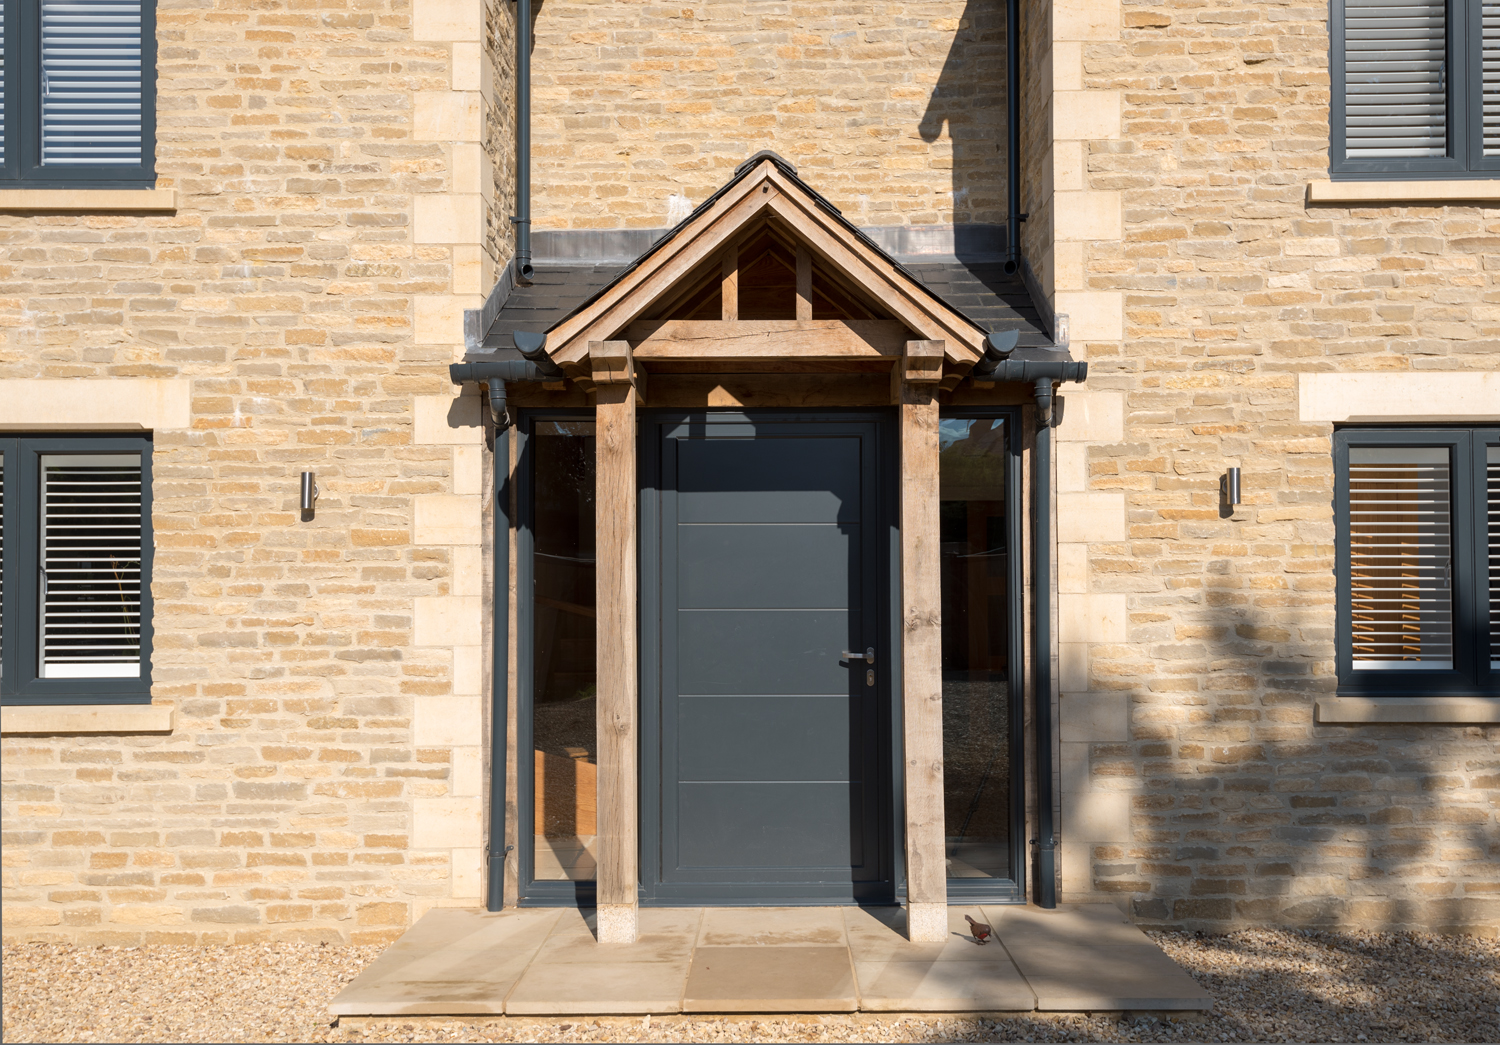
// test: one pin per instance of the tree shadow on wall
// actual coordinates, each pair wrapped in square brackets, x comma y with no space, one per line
[967,107]
[1246,810]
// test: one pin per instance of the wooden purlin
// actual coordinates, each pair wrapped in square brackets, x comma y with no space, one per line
[766,192]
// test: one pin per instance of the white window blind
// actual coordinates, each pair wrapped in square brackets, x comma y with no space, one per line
[91,566]
[1401,558]
[1489,47]
[91,81]
[1395,78]
[1492,482]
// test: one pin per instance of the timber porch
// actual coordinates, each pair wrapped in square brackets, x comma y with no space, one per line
[547,962]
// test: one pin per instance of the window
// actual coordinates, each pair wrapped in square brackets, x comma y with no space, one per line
[979,492]
[1418,561]
[75,590]
[1416,88]
[556,669]
[79,93]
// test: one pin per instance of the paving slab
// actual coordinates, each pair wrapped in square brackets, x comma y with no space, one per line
[790,959]
[599,988]
[451,963]
[943,986]
[878,934]
[583,949]
[1087,957]
[772,927]
[771,978]
[1080,924]
[684,920]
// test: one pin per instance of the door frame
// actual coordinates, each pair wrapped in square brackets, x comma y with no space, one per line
[890,887]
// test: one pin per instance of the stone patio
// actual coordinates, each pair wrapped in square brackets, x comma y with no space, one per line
[546,962]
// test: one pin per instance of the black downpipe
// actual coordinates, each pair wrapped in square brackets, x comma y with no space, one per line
[1041,654]
[500,666]
[1013,215]
[522,217]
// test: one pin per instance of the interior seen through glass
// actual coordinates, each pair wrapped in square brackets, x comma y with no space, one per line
[563,655]
[976,630]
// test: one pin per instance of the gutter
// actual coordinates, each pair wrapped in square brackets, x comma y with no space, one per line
[1043,374]
[534,365]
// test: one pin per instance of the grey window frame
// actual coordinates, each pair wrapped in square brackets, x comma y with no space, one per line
[1465,158]
[21,151]
[1471,674]
[20,684]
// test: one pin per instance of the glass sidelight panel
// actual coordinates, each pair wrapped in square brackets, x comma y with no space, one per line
[977,728]
[563,652]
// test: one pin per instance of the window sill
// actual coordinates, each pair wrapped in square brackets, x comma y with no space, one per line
[1466,191]
[1458,711]
[85,718]
[83,201]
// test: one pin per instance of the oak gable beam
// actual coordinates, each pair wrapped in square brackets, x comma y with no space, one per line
[809,340]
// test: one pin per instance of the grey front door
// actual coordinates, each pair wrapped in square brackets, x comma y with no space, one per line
[766,753]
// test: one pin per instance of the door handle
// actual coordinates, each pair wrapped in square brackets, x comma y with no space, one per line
[868,656]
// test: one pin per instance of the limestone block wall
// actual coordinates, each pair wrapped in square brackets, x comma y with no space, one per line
[1206,292]
[322,775]
[894,111]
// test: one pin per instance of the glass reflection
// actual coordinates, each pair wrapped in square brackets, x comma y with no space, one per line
[976,646]
[563,653]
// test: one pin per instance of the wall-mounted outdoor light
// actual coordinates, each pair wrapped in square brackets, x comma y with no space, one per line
[309,492]
[1229,487]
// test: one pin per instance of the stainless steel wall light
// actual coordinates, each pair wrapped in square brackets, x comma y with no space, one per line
[309,492]
[1229,487]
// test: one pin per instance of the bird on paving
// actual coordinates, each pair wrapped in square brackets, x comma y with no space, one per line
[979,929]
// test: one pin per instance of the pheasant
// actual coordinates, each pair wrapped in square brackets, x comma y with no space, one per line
[980,930]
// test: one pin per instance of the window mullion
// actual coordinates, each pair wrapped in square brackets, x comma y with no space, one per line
[23,41]
[1465,567]
[1485,550]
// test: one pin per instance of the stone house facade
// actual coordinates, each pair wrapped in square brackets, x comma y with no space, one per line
[328,227]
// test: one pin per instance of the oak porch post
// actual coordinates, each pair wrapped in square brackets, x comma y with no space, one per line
[917,378]
[615,526]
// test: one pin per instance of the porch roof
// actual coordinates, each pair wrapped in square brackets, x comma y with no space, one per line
[980,290]
[976,295]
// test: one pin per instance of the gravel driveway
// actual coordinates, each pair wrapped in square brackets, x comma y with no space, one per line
[1267,986]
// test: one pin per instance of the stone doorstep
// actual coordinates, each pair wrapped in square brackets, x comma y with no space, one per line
[741,961]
